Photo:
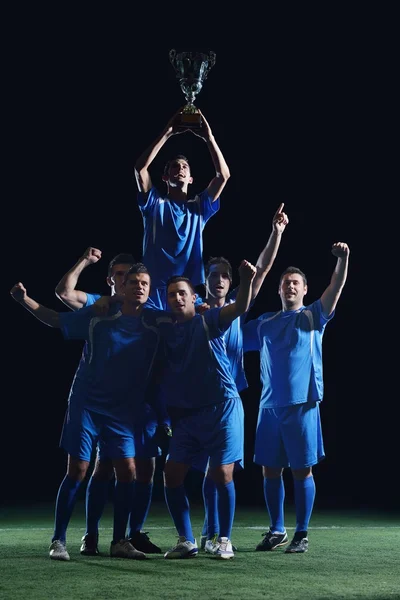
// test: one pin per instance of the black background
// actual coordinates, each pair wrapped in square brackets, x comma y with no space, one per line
[299,103]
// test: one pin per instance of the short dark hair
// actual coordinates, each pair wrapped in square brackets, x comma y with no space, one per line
[219,260]
[136,268]
[177,278]
[291,270]
[120,259]
[177,157]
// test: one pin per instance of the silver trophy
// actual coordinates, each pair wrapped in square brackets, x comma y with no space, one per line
[191,69]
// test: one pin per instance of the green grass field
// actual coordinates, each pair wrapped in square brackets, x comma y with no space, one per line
[351,555]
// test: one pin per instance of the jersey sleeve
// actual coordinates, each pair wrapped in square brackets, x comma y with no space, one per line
[148,200]
[75,325]
[91,299]
[251,338]
[208,208]
[319,317]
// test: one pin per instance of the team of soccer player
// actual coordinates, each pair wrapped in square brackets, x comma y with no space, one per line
[160,360]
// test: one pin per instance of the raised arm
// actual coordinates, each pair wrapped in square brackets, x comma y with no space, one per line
[230,312]
[332,293]
[142,174]
[222,173]
[66,288]
[268,255]
[45,315]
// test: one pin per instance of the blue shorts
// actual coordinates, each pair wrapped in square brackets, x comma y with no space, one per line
[145,437]
[213,435]
[289,437]
[84,429]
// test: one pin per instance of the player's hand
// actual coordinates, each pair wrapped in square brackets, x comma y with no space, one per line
[247,271]
[340,250]
[280,220]
[92,255]
[163,437]
[205,130]
[202,308]
[172,127]
[18,292]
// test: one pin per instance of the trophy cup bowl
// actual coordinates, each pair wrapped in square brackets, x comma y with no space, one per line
[191,69]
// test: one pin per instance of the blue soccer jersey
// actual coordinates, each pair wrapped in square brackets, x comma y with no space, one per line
[198,372]
[113,373]
[233,338]
[290,345]
[172,240]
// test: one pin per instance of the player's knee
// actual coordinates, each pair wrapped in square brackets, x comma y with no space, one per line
[145,469]
[272,472]
[77,469]
[301,474]
[125,470]
[223,474]
[173,475]
[103,470]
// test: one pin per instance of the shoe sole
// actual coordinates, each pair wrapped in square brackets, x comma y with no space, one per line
[63,558]
[128,557]
[176,556]
[273,547]
[90,552]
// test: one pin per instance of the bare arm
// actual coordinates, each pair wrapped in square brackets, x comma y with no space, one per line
[222,173]
[66,288]
[142,174]
[332,293]
[268,255]
[230,312]
[45,315]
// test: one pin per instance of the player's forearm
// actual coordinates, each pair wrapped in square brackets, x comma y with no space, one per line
[266,260]
[268,255]
[66,288]
[232,311]
[145,160]
[339,275]
[42,313]
[243,297]
[218,159]
[332,293]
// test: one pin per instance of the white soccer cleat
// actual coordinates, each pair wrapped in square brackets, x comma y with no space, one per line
[58,551]
[183,549]
[212,545]
[223,548]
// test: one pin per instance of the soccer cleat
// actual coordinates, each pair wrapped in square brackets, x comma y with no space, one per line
[183,549]
[223,548]
[141,541]
[203,542]
[58,550]
[211,546]
[89,545]
[124,549]
[298,544]
[272,541]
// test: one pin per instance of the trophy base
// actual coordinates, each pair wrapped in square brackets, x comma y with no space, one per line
[189,121]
